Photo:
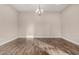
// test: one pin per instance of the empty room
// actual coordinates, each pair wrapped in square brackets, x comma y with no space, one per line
[39,29]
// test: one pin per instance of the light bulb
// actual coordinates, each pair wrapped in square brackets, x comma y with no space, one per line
[37,10]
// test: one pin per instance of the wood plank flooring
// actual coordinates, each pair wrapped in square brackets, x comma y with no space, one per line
[63,45]
[39,46]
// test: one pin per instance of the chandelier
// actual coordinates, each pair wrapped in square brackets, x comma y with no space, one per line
[39,11]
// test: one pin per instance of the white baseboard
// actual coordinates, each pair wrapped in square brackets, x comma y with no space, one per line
[26,37]
[11,39]
[8,40]
[40,36]
[70,40]
[47,37]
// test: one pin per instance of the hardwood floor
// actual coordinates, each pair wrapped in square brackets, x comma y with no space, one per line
[39,46]
[63,45]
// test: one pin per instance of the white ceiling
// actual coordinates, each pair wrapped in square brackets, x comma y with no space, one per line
[33,7]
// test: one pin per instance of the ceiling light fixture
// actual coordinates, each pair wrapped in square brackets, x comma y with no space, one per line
[39,10]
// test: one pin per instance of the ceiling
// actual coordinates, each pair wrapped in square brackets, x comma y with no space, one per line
[45,7]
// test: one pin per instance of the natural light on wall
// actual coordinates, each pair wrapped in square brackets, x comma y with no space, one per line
[30,31]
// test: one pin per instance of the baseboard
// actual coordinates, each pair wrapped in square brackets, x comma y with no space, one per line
[26,36]
[40,36]
[8,40]
[47,37]
[70,40]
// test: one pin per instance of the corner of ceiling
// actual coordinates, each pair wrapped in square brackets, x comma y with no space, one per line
[65,8]
[13,8]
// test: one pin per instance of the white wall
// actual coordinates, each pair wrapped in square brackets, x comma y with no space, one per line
[46,25]
[70,23]
[8,24]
